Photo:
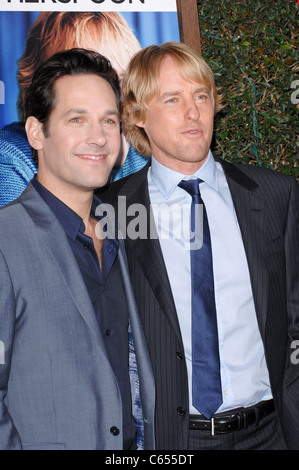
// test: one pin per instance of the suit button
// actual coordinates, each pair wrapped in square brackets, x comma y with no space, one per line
[114,430]
[179,356]
[108,332]
[181,411]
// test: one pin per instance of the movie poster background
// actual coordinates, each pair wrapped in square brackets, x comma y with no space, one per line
[150,27]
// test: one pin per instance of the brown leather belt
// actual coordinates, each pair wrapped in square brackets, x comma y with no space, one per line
[232,420]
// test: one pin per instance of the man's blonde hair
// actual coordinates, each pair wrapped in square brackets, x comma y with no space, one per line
[141,84]
[107,33]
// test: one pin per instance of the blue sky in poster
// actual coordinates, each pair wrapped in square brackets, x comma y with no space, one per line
[149,27]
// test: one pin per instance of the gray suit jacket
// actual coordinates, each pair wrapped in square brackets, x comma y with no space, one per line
[57,388]
[266,204]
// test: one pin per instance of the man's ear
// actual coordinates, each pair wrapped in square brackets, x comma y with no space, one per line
[138,113]
[141,121]
[34,131]
[140,124]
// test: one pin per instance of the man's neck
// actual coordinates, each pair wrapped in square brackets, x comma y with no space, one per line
[79,200]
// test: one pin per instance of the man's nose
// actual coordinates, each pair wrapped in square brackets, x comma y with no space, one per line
[96,135]
[191,109]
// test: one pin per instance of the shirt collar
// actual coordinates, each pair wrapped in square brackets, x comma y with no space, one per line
[167,179]
[71,222]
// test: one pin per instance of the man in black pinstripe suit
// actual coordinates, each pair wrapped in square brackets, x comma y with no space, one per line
[169,104]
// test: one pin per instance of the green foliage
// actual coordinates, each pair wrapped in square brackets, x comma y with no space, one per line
[252,47]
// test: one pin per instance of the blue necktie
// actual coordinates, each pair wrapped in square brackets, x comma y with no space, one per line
[206,382]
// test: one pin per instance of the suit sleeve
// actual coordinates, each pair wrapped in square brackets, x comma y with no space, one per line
[9,438]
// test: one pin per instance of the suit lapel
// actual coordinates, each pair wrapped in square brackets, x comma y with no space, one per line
[147,250]
[55,241]
[145,371]
[250,210]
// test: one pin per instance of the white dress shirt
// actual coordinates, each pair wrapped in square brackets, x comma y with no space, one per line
[244,374]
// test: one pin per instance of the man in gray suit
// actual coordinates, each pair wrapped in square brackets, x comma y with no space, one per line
[69,327]
[250,322]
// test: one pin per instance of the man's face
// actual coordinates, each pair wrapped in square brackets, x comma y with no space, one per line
[179,121]
[83,135]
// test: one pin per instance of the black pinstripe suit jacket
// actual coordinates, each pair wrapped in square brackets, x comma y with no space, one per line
[267,205]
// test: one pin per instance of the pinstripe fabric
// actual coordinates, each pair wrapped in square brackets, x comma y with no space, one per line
[271,239]
[266,204]
[171,384]
[157,310]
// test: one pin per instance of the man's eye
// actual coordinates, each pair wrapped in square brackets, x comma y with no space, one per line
[76,119]
[111,122]
[201,97]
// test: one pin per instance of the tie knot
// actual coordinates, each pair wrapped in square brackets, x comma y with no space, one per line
[191,186]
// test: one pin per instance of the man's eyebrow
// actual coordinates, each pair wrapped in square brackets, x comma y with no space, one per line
[170,93]
[76,111]
[167,94]
[109,112]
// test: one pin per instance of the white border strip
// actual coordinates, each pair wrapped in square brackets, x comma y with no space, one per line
[88,5]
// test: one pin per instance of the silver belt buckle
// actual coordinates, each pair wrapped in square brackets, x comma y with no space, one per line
[212,427]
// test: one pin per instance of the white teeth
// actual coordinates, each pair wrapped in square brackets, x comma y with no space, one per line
[92,157]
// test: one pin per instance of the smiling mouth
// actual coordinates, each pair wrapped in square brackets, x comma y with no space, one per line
[92,157]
